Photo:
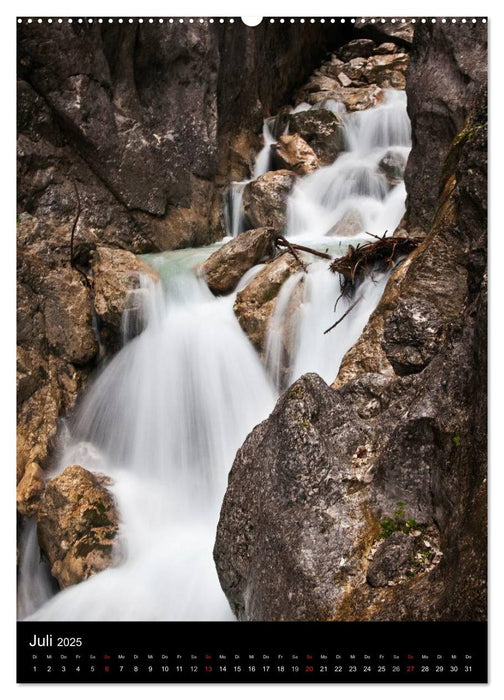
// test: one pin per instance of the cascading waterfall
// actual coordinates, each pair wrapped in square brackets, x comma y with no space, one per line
[233,195]
[166,415]
[233,210]
[164,419]
[354,185]
[355,182]
[263,160]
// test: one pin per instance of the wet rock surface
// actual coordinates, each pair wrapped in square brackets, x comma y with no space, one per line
[255,304]
[291,152]
[349,225]
[223,269]
[116,273]
[355,99]
[322,130]
[265,200]
[77,525]
[393,165]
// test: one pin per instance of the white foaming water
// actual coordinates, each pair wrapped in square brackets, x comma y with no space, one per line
[386,125]
[312,350]
[354,185]
[233,209]
[263,159]
[167,414]
[355,182]
[165,419]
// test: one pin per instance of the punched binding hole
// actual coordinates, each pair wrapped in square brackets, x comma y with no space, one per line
[251,21]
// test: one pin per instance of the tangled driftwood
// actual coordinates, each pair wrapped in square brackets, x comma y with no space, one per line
[365,258]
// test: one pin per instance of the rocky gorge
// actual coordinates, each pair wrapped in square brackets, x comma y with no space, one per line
[363,495]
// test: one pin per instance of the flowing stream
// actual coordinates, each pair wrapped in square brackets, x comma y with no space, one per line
[165,416]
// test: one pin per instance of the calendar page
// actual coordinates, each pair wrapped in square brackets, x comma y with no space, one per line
[252,347]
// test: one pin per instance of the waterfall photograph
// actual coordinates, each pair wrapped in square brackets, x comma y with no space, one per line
[251,320]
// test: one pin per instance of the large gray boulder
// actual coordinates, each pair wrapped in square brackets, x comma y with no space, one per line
[226,266]
[265,199]
[77,525]
[322,129]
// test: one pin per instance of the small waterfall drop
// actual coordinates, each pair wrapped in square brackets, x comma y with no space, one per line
[165,416]
[233,209]
[355,182]
[164,419]
[263,160]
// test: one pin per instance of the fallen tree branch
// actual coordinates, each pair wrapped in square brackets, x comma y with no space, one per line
[305,249]
[281,241]
[362,259]
[344,315]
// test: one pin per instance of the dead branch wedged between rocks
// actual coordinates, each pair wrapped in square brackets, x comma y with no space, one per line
[360,261]
[365,259]
[282,242]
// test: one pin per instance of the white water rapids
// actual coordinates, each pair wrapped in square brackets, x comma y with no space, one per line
[165,417]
